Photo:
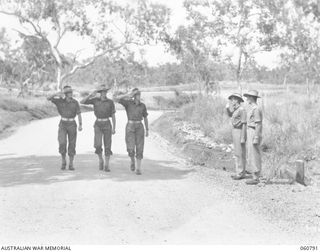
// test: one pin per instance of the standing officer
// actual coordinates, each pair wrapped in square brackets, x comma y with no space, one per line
[254,130]
[103,109]
[136,111]
[239,123]
[68,108]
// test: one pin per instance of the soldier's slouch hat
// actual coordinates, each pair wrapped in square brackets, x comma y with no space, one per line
[253,93]
[237,96]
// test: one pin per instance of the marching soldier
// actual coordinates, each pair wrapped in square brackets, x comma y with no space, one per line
[238,120]
[135,132]
[68,108]
[103,109]
[254,130]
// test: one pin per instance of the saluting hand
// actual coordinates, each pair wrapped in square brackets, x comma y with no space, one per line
[256,140]
[133,93]
[60,94]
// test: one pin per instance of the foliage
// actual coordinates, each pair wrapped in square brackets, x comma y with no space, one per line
[111,29]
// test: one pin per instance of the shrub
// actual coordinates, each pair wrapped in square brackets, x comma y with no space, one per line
[180,99]
[208,112]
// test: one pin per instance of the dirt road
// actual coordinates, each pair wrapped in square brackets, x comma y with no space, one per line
[168,204]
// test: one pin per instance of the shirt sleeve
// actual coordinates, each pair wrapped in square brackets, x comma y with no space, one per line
[257,115]
[113,108]
[78,111]
[243,116]
[144,112]
[90,101]
[229,112]
[124,102]
[55,100]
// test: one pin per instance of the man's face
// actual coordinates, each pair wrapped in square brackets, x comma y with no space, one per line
[69,95]
[250,99]
[103,94]
[234,101]
[137,97]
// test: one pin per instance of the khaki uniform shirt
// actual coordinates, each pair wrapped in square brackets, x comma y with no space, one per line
[135,112]
[238,117]
[67,109]
[254,115]
[102,108]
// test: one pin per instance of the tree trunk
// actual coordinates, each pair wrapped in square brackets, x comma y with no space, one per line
[239,70]
[308,87]
[59,83]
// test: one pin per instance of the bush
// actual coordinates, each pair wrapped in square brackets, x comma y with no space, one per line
[180,99]
[209,113]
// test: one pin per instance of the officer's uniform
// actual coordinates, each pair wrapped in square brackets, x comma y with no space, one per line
[254,115]
[134,128]
[238,118]
[103,110]
[67,125]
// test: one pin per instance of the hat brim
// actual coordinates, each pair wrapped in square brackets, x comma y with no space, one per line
[101,90]
[246,95]
[237,97]
[68,91]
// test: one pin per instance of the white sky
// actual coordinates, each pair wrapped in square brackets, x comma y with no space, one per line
[154,55]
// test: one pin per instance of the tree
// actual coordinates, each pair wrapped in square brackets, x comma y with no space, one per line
[110,27]
[245,25]
[298,28]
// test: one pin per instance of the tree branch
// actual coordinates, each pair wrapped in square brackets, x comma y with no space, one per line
[91,62]
[20,17]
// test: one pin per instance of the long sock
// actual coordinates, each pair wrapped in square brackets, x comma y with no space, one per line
[106,164]
[71,158]
[138,165]
[63,161]
[100,161]
[132,166]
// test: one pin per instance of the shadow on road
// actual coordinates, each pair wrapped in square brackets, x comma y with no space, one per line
[46,170]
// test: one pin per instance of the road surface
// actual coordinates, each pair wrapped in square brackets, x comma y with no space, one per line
[168,204]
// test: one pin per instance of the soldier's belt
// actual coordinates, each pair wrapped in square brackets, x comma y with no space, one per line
[102,119]
[67,119]
[131,121]
[252,127]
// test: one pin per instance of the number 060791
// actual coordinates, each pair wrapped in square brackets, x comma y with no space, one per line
[308,248]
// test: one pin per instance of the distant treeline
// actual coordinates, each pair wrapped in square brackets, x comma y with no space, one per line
[131,73]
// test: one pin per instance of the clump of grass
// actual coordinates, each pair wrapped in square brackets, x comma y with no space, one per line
[209,113]
[180,99]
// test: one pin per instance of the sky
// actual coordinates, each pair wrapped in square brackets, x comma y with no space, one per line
[154,55]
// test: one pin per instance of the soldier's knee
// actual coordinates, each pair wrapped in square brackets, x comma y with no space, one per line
[131,153]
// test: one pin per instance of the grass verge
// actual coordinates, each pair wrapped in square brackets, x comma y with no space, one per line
[18,111]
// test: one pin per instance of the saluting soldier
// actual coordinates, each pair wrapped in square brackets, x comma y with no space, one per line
[239,123]
[254,130]
[68,109]
[103,109]
[135,132]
